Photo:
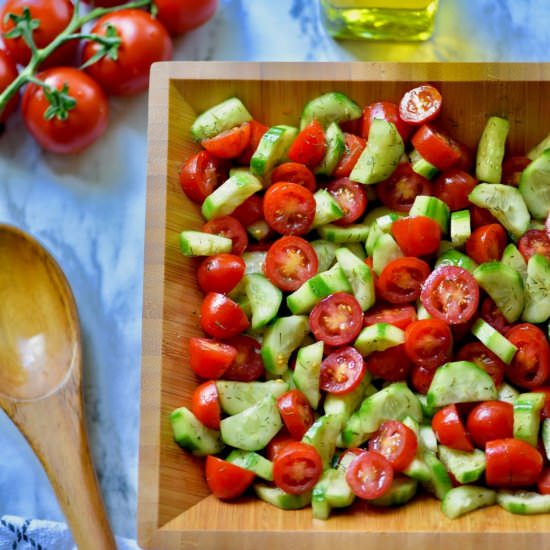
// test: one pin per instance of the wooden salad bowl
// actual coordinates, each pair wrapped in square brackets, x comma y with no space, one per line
[175,509]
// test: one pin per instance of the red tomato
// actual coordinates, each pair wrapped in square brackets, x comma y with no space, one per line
[221,317]
[512,168]
[543,483]
[351,197]
[512,463]
[421,378]
[369,475]
[534,241]
[143,41]
[353,452]
[352,152]
[226,480]
[8,73]
[453,187]
[296,412]
[417,236]
[205,405]
[336,319]
[483,357]
[530,366]
[386,111]
[492,315]
[247,365]
[402,187]
[290,262]
[437,148]
[419,105]
[391,365]
[289,208]
[278,443]
[451,294]
[294,172]
[210,358]
[449,429]
[401,280]
[310,146]
[396,442]
[490,420]
[481,216]
[54,16]
[220,273]
[545,413]
[200,175]
[179,16]
[228,226]
[257,130]
[429,343]
[250,211]
[229,144]
[486,243]
[466,160]
[297,467]
[399,316]
[342,371]
[70,132]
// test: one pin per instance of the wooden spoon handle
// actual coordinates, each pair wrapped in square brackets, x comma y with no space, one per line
[55,428]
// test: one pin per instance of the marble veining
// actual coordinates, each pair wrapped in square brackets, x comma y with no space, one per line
[89,211]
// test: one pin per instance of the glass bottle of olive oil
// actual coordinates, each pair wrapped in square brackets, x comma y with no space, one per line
[380,19]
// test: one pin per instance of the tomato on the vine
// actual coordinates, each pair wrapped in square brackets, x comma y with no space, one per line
[8,73]
[144,41]
[72,129]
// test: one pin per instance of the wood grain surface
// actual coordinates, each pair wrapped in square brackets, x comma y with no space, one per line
[174,509]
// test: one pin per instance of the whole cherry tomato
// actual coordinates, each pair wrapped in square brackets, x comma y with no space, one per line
[8,73]
[183,15]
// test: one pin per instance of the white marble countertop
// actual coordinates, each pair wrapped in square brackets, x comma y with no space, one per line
[89,211]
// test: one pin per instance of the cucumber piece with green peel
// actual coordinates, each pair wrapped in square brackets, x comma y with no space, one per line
[198,243]
[440,482]
[326,253]
[461,227]
[327,208]
[462,500]
[378,337]
[460,382]
[445,246]
[380,157]
[357,249]
[545,434]
[219,118]
[385,250]
[272,149]
[421,166]
[401,491]
[336,146]
[537,290]
[505,286]
[331,491]
[230,194]
[507,393]
[375,231]
[191,434]
[539,148]
[235,397]
[466,467]
[534,185]
[505,203]
[280,499]
[431,207]
[421,311]
[355,233]
[328,108]
[491,149]
[454,257]
[254,261]
[253,462]
[265,299]
[523,502]
[359,277]
[514,258]
[307,372]
[527,408]
[259,230]
[492,338]
[322,435]
[379,212]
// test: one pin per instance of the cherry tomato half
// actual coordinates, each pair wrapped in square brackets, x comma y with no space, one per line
[294,172]
[451,294]
[491,314]
[220,273]
[221,317]
[386,111]
[351,197]
[210,358]
[205,405]
[226,480]
[297,467]
[290,262]
[436,147]
[421,104]
[421,378]
[512,168]
[336,319]
[8,73]
[247,365]
[396,442]
[417,236]
[399,316]
[296,412]
[512,463]
[486,243]
[309,146]
[230,227]
[401,280]
[200,175]
[250,211]
[369,475]
[449,429]
[483,357]
[353,149]
[278,443]
[481,216]
[391,364]
[230,143]
[342,371]
[490,420]
[453,187]
[289,208]
[429,343]
[257,130]
[534,241]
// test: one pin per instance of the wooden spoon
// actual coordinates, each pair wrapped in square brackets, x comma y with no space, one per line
[40,380]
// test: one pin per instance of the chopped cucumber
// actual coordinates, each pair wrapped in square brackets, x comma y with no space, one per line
[461,228]
[326,208]
[466,467]
[253,462]
[375,231]
[461,500]
[537,290]
[357,249]
[326,253]
[359,277]
[440,483]
[331,491]
[330,107]
[527,407]
[355,233]
[278,498]
[254,262]
[385,250]
[197,243]
[265,299]
[379,212]
[514,258]
[507,393]
[401,491]
[545,434]
[307,371]
[427,439]
[192,435]
[272,149]
[538,149]
[433,208]
[418,469]
[492,338]
[534,186]
[523,502]
[218,119]
[235,397]
[322,435]
[258,230]
[378,337]
[336,145]
[422,167]
[490,150]
[454,257]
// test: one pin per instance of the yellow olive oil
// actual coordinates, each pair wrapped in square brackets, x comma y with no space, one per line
[380,19]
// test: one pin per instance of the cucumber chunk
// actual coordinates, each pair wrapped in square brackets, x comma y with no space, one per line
[492,338]
[265,299]
[421,166]
[378,337]
[197,243]
[331,491]
[193,435]
[523,502]
[253,462]
[505,286]
[534,185]
[280,340]
[440,483]
[336,145]
[235,397]
[326,253]
[461,500]
[322,435]
[278,498]
[460,382]
[254,262]
[357,249]
[400,492]
[385,250]
[461,228]
[253,428]
[490,150]
[326,208]
[359,277]
[330,107]
[379,212]
[307,371]
[545,434]
[466,467]
[380,157]
[537,290]
[356,233]
[507,393]
[433,208]
[454,257]
[505,203]
[527,407]
[259,230]
[539,148]
[230,194]
[219,118]
[418,469]
[514,258]
[272,149]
